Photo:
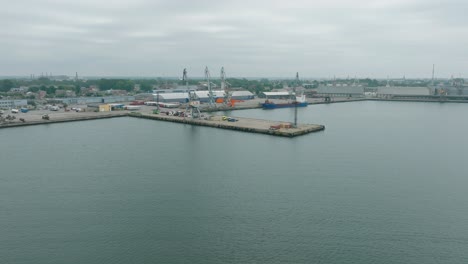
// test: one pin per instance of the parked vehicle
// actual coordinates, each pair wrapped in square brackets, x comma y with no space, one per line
[137,103]
[229,119]
[14,111]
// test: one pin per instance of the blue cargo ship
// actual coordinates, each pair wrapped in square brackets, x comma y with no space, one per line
[300,102]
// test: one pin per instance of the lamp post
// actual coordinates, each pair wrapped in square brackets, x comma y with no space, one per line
[157,100]
[295,99]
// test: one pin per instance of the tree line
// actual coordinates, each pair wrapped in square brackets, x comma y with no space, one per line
[146,85]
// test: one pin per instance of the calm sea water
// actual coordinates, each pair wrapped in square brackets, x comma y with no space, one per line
[384,183]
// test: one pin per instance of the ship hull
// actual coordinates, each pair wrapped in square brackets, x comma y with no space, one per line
[282,105]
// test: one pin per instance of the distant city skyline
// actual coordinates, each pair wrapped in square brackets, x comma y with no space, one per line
[257,38]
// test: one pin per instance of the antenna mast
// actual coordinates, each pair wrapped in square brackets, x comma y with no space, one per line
[184,78]
[432,82]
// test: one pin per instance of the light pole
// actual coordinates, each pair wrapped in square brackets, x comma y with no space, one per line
[157,100]
[295,99]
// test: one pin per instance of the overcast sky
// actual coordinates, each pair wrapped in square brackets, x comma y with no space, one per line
[255,38]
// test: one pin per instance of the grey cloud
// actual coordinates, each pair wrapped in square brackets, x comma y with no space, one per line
[250,38]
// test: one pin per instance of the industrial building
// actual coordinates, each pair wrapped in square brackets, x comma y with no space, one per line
[340,91]
[242,95]
[144,96]
[276,95]
[104,108]
[7,104]
[96,107]
[90,100]
[389,91]
[179,89]
[171,97]
[451,90]
[203,96]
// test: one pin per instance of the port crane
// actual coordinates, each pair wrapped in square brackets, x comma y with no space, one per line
[225,87]
[193,105]
[211,97]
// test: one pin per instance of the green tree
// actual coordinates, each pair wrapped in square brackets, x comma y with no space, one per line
[6,85]
[43,88]
[34,89]
[146,87]
[117,84]
[77,89]
[50,90]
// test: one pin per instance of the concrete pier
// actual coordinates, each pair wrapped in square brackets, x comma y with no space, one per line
[61,118]
[243,124]
[276,128]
